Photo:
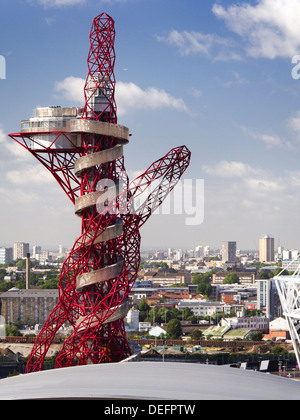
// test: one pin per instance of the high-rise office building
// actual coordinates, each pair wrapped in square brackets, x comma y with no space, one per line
[266,249]
[229,251]
[21,249]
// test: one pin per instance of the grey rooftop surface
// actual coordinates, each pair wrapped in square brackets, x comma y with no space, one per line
[149,381]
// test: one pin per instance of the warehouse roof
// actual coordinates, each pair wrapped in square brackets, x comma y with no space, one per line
[149,381]
[236,334]
[216,330]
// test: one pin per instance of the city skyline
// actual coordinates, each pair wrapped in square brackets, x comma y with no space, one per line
[220,248]
[218,76]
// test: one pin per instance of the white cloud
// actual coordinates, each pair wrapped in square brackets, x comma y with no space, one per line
[55,3]
[264,185]
[293,124]
[30,174]
[13,149]
[190,42]
[294,178]
[241,193]
[244,179]
[237,81]
[18,196]
[18,156]
[270,140]
[3,136]
[270,27]
[227,169]
[71,89]
[129,96]
[193,42]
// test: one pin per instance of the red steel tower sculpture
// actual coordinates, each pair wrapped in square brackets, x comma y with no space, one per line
[83,149]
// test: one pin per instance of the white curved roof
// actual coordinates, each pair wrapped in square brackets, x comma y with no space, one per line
[150,381]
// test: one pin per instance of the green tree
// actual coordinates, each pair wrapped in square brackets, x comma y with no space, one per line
[256,336]
[204,289]
[197,278]
[196,334]
[187,314]
[4,286]
[144,309]
[278,350]
[2,273]
[143,306]
[204,283]
[278,270]
[51,283]
[264,274]
[163,315]
[231,278]
[12,330]
[174,330]
[176,313]
[21,283]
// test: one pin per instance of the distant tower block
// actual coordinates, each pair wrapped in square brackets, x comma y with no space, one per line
[266,249]
[83,149]
[229,251]
[20,250]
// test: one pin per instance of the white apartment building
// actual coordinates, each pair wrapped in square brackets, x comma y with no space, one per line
[20,250]
[200,307]
[247,323]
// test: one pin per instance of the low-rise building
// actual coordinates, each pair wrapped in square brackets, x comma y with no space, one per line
[168,279]
[138,293]
[245,277]
[278,330]
[144,326]
[237,335]
[244,291]
[247,323]
[200,307]
[157,331]
[230,297]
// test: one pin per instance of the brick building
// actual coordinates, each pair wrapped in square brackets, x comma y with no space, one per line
[27,306]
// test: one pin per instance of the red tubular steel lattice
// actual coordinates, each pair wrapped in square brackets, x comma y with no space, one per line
[102,265]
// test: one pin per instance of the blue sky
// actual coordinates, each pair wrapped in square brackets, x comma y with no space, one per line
[213,75]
